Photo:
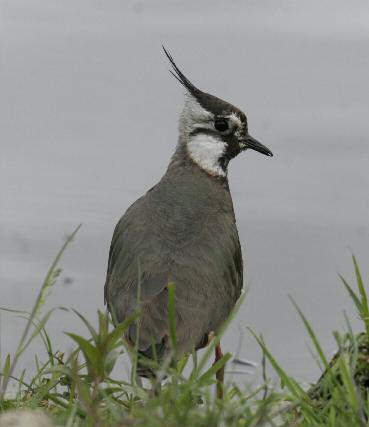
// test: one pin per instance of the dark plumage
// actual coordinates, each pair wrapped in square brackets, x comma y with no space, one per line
[183,230]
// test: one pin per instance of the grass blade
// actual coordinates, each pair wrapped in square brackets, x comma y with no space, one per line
[364,299]
[311,334]
[48,282]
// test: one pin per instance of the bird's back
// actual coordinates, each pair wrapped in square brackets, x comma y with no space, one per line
[183,231]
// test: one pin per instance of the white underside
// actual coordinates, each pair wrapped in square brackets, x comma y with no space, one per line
[205,151]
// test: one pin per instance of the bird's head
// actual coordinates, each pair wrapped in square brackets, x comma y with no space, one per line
[213,130]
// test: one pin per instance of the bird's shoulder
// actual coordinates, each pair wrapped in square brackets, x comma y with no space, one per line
[131,239]
[131,229]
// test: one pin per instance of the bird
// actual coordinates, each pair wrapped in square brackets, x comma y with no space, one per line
[183,231]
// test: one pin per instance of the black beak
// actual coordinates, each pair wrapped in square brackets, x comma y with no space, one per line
[250,142]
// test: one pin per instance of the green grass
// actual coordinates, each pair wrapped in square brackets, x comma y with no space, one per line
[78,389]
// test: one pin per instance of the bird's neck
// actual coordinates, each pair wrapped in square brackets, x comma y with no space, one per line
[202,152]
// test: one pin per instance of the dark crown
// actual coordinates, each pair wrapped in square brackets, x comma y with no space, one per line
[210,102]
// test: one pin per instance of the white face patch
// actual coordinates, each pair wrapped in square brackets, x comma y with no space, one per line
[194,116]
[204,148]
[205,151]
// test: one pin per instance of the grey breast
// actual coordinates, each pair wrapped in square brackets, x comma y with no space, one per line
[183,231]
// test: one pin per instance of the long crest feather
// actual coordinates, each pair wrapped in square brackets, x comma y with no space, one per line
[177,73]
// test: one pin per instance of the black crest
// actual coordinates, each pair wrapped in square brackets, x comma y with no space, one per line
[210,102]
[177,73]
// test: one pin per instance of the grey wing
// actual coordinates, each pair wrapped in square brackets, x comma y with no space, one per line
[136,273]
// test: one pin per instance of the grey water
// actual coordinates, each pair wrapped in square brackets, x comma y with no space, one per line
[88,119]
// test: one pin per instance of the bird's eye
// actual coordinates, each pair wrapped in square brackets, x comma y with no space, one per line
[221,125]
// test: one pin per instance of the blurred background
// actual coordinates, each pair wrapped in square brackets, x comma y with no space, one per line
[88,119]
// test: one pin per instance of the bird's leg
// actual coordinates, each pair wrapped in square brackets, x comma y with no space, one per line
[218,355]
[155,388]
[220,372]
[139,381]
